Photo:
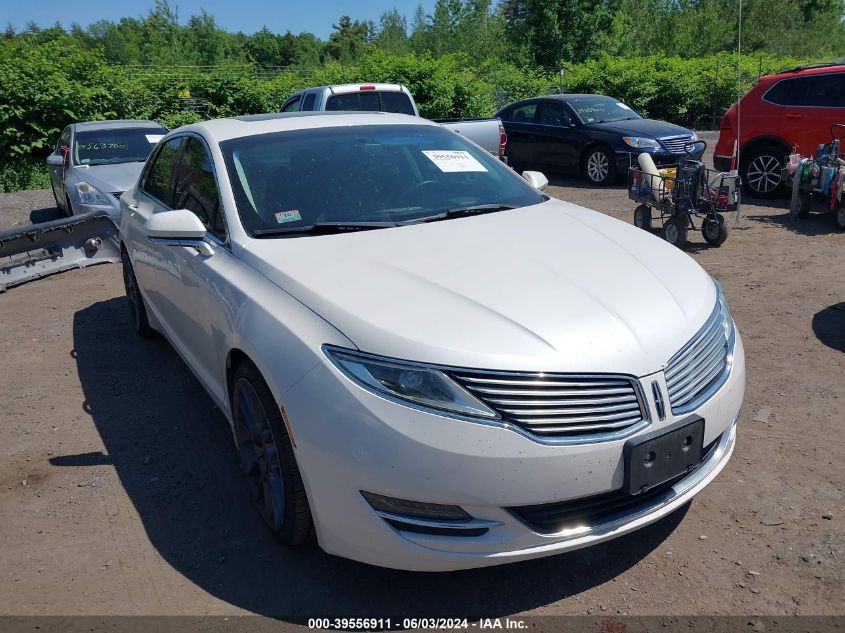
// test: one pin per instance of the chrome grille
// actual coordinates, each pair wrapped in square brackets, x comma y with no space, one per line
[701,365]
[559,405]
[676,144]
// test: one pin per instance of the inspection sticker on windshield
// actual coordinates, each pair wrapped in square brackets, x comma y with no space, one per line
[448,160]
[154,138]
[288,216]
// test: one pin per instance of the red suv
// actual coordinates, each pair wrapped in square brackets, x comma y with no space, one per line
[793,108]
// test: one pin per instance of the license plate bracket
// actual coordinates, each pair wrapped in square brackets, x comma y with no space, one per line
[654,458]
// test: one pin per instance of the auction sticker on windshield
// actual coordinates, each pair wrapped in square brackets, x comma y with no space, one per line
[152,139]
[454,160]
[288,216]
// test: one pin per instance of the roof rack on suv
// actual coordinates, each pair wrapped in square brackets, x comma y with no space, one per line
[798,69]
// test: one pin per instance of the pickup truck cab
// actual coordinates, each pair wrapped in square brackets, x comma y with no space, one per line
[396,99]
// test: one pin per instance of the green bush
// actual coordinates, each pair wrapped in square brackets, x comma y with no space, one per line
[46,85]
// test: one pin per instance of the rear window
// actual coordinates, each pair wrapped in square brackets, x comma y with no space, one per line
[787,92]
[372,101]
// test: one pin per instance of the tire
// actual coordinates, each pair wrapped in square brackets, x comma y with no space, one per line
[839,217]
[761,171]
[714,230]
[675,231]
[137,309]
[268,458]
[599,166]
[802,207]
[642,217]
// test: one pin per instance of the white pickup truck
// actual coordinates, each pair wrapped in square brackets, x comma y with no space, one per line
[487,133]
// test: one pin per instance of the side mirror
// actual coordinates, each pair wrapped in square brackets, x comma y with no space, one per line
[177,228]
[536,179]
[55,160]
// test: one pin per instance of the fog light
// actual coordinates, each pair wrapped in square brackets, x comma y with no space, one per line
[417,509]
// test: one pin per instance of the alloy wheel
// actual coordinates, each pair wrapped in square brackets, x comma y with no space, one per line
[598,167]
[764,173]
[259,455]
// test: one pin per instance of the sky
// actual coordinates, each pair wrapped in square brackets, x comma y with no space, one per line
[315,16]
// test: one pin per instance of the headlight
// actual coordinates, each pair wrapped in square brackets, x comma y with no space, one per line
[641,143]
[90,195]
[424,387]
[724,312]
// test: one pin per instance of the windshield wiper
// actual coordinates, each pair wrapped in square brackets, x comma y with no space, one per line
[323,228]
[459,212]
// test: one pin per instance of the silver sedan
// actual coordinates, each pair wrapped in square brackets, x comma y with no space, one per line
[96,161]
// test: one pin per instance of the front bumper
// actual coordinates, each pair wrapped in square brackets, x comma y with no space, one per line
[722,163]
[661,158]
[348,440]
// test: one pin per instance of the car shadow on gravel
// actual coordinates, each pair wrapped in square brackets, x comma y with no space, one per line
[173,452]
[829,326]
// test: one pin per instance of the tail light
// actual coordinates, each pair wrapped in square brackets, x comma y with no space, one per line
[503,140]
[367,88]
[724,123]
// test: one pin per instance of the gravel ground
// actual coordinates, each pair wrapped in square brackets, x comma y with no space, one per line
[120,491]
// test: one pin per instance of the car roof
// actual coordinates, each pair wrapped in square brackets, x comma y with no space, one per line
[565,97]
[803,71]
[347,88]
[116,124]
[253,124]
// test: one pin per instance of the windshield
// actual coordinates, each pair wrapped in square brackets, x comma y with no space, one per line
[107,147]
[372,174]
[601,110]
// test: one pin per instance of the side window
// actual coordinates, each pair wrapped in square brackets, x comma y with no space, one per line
[524,113]
[292,105]
[780,92]
[158,181]
[308,102]
[826,91]
[64,140]
[554,114]
[196,188]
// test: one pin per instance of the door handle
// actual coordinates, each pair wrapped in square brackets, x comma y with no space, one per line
[133,207]
[793,115]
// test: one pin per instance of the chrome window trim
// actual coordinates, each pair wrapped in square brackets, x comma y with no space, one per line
[498,422]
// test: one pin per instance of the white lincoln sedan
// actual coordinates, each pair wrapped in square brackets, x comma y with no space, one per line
[427,362]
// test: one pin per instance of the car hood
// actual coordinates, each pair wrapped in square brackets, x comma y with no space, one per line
[110,178]
[551,287]
[641,127]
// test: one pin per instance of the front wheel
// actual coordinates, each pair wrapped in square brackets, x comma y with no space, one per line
[675,230]
[714,230]
[599,166]
[266,452]
[137,309]
[642,217]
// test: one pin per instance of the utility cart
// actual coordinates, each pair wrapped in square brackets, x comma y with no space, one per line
[817,183]
[677,194]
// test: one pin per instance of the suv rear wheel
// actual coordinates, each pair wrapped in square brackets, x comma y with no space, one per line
[762,171]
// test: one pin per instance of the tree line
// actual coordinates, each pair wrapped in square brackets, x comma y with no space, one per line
[536,33]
